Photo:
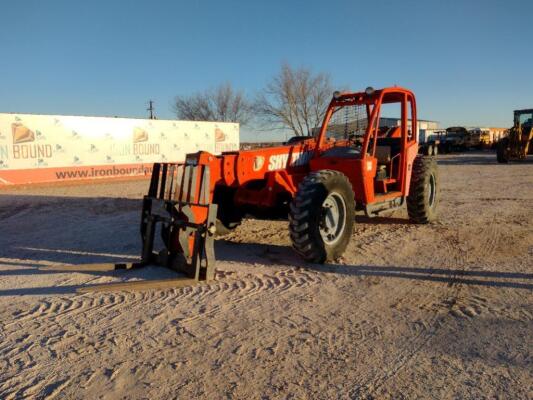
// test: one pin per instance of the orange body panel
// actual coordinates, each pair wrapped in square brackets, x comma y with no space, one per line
[360,172]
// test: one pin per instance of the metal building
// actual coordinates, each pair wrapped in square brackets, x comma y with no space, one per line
[425,128]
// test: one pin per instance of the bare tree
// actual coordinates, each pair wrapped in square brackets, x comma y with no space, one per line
[222,103]
[295,99]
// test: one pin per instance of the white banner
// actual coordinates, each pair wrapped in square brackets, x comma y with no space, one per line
[29,142]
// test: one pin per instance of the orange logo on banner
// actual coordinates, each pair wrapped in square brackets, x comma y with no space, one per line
[21,134]
[139,135]
[220,136]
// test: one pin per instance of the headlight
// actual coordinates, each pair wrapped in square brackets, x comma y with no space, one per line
[369,91]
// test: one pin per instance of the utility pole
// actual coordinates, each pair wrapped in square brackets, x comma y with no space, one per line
[151,109]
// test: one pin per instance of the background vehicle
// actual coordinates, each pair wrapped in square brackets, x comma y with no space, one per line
[478,138]
[518,144]
[454,140]
[318,183]
[431,145]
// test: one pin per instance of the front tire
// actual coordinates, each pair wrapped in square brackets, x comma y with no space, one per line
[502,154]
[322,216]
[423,196]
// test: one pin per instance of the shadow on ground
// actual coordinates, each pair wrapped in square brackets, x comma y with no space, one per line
[477,158]
[39,230]
[261,253]
[275,255]
[145,274]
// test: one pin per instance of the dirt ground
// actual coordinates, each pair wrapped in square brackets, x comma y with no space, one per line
[442,311]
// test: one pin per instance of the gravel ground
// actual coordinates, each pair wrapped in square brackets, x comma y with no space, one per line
[441,311]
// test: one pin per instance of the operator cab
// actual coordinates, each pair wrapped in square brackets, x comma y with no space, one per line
[524,118]
[349,136]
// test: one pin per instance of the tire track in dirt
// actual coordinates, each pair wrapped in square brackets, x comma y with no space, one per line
[425,328]
[55,311]
[239,291]
[371,239]
[277,338]
[58,312]
[252,284]
[365,249]
[38,388]
[453,302]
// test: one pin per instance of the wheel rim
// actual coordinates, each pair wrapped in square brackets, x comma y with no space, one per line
[333,218]
[432,190]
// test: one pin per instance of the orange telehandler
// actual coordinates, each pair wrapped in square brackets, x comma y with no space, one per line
[318,183]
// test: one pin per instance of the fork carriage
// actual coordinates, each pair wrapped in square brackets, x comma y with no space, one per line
[178,202]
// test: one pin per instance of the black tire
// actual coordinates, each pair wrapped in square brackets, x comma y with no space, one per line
[423,196]
[310,218]
[502,155]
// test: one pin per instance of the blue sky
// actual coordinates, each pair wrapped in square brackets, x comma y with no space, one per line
[469,62]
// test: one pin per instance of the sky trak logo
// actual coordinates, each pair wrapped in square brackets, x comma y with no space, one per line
[23,146]
[280,161]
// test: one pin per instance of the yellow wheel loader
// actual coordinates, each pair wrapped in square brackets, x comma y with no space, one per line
[518,144]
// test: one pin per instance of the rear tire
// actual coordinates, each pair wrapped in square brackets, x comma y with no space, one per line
[423,196]
[322,216]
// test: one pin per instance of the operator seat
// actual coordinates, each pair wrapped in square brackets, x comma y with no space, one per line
[387,148]
[383,154]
